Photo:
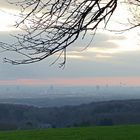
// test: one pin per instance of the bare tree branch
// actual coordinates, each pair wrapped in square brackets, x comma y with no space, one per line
[52,26]
[134,8]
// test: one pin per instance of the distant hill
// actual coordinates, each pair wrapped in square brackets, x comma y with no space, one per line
[49,102]
[95,113]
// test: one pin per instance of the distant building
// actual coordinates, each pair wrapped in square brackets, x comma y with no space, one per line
[45,125]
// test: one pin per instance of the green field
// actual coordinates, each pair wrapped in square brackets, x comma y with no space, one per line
[130,132]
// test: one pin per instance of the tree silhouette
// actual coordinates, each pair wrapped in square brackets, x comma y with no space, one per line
[50,26]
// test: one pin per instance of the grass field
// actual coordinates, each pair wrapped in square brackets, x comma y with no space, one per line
[130,132]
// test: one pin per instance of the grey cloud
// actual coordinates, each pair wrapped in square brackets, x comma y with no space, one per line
[74,67]
[120,65]
[125,64]
[116,37]
[6,37]
[101,40]
[6,4]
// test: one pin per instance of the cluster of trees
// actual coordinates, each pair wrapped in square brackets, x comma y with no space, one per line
[51,26]
[96,113]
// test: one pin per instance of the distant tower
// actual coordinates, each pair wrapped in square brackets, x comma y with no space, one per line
[97,87]
[50,90]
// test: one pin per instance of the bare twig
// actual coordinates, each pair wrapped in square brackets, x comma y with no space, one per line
[51,26]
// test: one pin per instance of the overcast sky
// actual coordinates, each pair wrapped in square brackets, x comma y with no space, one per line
[111,58]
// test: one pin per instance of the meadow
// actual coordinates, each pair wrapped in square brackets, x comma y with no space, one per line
[127,132]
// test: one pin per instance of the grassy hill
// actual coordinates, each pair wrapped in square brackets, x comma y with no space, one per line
[130,132]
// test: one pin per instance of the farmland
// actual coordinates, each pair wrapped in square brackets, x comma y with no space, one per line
[126,132]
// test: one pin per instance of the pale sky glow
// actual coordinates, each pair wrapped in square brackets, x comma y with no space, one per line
[75,56]
[113,81]
[127,44]
[7,19]
[112,58]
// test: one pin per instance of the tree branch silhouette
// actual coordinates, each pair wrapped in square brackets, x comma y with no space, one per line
[52,26]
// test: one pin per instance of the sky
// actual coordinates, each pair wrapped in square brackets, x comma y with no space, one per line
[111,59]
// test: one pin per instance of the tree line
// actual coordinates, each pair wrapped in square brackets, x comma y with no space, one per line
[93,114]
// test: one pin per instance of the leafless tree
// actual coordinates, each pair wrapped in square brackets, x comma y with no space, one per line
[50,26]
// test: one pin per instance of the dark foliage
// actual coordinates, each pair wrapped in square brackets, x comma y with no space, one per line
[100,113]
